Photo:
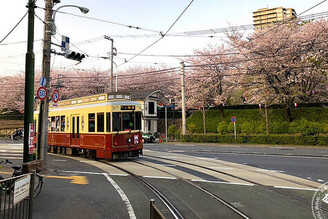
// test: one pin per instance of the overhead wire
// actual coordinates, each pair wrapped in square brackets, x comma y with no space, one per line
[162,35]
[13,28]
[106,21]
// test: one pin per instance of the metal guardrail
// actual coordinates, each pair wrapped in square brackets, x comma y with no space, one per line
[15,193]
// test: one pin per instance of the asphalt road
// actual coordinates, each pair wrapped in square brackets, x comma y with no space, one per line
[305,162]
[69,194]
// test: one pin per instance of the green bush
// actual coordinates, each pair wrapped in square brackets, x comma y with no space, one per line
[222,128]
[311,128]
[192,127]
[279,128]
[256,122]
[258,139]
[230,127]
[171,132]
[247,128]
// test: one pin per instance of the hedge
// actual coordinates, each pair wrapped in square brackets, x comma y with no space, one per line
[308,121]
[257,139]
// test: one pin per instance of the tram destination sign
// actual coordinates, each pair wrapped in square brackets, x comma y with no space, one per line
[128,107]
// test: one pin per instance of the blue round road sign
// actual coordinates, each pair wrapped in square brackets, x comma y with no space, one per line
[55,96]
[233,119]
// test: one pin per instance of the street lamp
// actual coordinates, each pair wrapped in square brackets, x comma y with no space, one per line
[84,10]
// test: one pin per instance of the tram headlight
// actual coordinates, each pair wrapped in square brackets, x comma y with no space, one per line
[129,140]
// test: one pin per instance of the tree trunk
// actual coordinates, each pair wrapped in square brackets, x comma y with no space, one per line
[266,118]
[221,111]
[288,113]
[204,111]
[204,120]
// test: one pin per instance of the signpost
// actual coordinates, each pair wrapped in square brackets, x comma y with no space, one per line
[55,97]
[42,93]
[43,81]
[21,189]
[234,120]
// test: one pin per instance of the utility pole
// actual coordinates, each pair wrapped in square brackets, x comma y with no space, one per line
[29,87]
[111,63]
[184,126]
[44,106]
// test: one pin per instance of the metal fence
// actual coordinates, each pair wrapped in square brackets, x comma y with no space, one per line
[15,193]
[154,211]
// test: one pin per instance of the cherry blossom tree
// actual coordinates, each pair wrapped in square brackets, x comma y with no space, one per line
[285,63]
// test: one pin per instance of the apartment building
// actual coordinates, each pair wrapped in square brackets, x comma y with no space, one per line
[265,17]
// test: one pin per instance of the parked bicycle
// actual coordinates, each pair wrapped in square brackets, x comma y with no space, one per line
[18,171]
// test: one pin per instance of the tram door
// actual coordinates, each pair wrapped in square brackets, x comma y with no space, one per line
[75,136]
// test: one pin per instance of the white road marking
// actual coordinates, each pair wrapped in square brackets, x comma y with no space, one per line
[220,182]
[12,158]
[13,154]
[118,174]
[88,161]
[123,196]
[176,151]
[80,172]
[159,177]
[276,171]
[114,184]
[222,168]
[296,188]
[168,157]
[321,180]
[59,160]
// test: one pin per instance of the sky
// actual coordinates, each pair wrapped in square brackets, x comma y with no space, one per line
[113,18]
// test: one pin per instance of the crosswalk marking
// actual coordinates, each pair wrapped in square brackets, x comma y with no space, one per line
[11,151]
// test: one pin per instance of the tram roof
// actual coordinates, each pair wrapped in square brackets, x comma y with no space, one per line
[105,99]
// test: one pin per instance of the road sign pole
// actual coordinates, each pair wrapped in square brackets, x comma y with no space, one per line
[29,83]
[46,73]
[234,130]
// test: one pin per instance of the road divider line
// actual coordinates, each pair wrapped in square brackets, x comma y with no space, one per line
[159,177]
[296,188]
[123,196]
[221,182]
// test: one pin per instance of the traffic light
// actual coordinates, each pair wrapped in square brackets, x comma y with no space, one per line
[74,55]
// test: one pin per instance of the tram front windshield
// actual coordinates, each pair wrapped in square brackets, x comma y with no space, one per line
[123,121]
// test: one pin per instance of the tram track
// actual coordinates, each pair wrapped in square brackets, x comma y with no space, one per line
[212,195]
[174,211]
[169,205]
[287,194]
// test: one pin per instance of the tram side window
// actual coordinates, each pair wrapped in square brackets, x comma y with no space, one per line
[62,121]
[128,121]
[107,122]
[91,122]
[100,122]
[138,120]
[117,121]
[53,123]
[49,124]
[57,123]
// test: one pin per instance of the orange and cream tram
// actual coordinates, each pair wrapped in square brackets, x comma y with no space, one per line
[99,126]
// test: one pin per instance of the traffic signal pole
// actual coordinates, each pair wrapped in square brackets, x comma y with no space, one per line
[29,87]
[44,107]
